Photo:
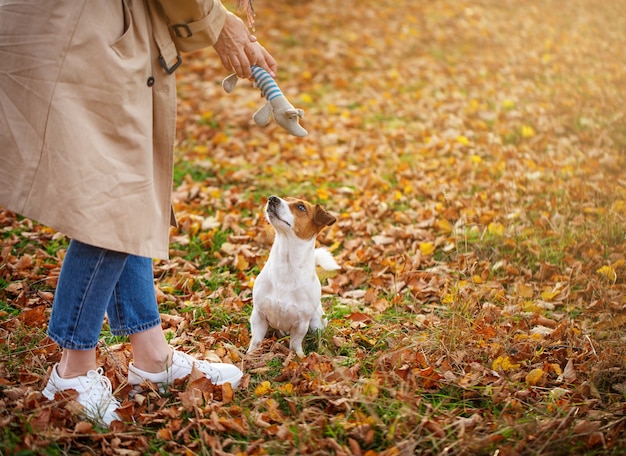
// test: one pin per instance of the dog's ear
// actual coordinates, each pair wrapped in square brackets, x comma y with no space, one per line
[323,218]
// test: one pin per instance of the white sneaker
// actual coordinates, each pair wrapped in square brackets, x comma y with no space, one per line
[94,394]
[218,373]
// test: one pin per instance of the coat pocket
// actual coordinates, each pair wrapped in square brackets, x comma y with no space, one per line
[124,46]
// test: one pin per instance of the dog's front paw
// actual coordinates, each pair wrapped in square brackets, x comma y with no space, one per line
[254,346]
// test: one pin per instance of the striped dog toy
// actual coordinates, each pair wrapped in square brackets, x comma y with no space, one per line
[266,83]
[277,105]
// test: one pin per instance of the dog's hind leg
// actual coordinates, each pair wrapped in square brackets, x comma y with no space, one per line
[258,326]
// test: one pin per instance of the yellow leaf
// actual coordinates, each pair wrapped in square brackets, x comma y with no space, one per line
[528,131]
[393,73]
[496,229]
[305,97]
[323,274]
[504,363]
[323,194]
[242,263]
[364,341]
[525,291]
[201,149]
[215,193]
[448,299]
[220,138]
[548,294]
[477,279]
[370,390]
[443,225]
[508,104]
[608,272]
[194,228]
[556,368]
[427,248]
[462,140]
[534,377]
[473,106]
[287,388]
[263,389]
[476,159]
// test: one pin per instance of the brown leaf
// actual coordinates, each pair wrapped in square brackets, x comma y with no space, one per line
[34,317]
[355,449]
[434,428]
[569,373]
[83,427]
[172,320]
[586,427]
[126,411]
[227,393]
[15,393]
[14,288]
[544,321]
[360,317]
[235,424]
[165,434]
[25,262]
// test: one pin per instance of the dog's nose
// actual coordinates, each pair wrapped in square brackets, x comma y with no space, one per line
[273,200]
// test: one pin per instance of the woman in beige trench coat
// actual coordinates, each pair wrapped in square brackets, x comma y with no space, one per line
[87,119]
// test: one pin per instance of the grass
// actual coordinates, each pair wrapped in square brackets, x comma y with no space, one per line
[7,310]
[23,341]
[188,170]
[529,243]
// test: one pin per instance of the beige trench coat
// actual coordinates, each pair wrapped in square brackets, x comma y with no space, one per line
[87,118]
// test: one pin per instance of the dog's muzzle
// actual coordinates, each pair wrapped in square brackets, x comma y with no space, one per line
[273,203]
[273,209]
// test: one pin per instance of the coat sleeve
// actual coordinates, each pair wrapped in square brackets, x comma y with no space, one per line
[194,24]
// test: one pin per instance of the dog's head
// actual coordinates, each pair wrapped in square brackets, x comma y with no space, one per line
[293,215]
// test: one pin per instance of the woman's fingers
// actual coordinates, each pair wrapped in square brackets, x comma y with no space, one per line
[238,50]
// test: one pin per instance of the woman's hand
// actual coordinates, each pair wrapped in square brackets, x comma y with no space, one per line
[238,49]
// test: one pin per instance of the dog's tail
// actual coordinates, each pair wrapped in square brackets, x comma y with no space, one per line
[325,260]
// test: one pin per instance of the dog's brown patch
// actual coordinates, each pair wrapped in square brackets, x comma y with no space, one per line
[309,219]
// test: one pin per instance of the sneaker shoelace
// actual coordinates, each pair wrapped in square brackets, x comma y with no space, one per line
[99,390]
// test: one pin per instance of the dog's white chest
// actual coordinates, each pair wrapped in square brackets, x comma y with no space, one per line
[286,299]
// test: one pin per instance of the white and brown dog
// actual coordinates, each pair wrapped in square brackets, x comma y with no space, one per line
[287,292]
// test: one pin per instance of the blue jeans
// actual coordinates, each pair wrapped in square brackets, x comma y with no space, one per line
[95,282]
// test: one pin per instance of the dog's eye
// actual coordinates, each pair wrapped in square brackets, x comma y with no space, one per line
[302,207]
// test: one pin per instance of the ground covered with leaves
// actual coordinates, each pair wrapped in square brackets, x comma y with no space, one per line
[474,154]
